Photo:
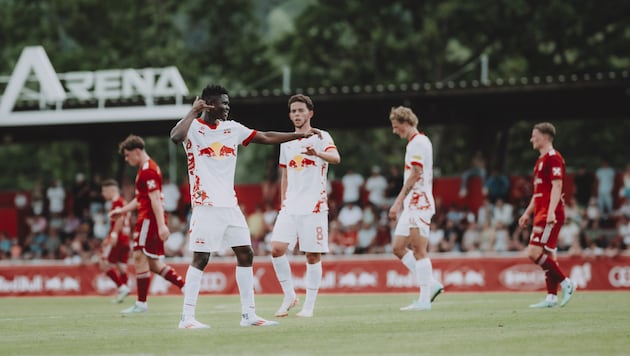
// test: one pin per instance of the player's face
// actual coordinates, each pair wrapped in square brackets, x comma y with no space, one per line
[399,128]
[299,114]
[132,157]
[537,139]
[108,192]
[221,108]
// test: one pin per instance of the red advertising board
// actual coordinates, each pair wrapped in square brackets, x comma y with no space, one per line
[379,275]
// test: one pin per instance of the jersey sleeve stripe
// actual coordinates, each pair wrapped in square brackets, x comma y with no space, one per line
[414,163]
[328,148]
[249,138]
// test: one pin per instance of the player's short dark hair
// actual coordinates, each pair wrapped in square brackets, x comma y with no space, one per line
[301,98]
[131,143]
[546,128]
[213,90]
[109,183]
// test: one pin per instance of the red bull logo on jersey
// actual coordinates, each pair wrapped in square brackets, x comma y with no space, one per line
[300,162]
[218,151]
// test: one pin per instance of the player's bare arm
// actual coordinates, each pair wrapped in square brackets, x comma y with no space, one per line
[273,138]
[178,133]
[284,181]
[554,199]
[414,176]
[132,205]
[113,235]
[524,219]
[158,210]
[330,156]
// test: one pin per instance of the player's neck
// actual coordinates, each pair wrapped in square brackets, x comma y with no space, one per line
[411,133]
[303,128]
[545,149]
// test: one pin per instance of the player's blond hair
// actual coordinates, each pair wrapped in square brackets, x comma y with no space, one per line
[403,114]
[546,128]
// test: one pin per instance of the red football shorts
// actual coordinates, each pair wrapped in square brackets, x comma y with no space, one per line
[546,235]
[147,239]
[119,253]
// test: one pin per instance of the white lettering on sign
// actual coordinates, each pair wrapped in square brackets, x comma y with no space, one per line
[619,276]
[102,85]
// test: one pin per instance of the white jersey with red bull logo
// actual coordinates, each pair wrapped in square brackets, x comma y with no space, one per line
[420,152]
[306,175]
[211,151]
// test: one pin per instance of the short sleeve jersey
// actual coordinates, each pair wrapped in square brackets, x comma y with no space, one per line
[306,175]
[119,203]
[148,179]
[211,152]
[420,152]
[549,167]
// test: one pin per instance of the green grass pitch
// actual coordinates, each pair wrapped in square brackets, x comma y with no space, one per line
[594,323]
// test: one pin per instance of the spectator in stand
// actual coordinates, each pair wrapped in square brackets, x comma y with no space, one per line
[175,245]
[624,209]
[37,198]
[572,210]
[352,183]
[171,194]
[520,191]
[623,229]
[436,236]
[52,244]
[484,213]
[605,183]
[471,239]
[592,214]
[487,236]
[519,239]
[414,207]
[394,184]
[569,233]
[56,195]
[70,225]
[503,213]
[584,182]
[97,203]
[366,238]
[452,237]
[376,185]
[256,224]
[624,191]
[496,186]
[350,216]
[5,246]
[80,194]
[477,169]
[501,237]
[270,186]
[16,249]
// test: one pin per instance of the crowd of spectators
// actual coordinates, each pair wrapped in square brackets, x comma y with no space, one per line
[70,223]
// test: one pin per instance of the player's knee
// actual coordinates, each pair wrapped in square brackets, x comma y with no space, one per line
[200,260]
[244,255]
[399,251]
[277,250]
[312,258]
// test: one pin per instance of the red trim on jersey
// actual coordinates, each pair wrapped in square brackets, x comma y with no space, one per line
[282,165]
[412,136]
[248,139]
[330,148]
[414,163]
[211,126]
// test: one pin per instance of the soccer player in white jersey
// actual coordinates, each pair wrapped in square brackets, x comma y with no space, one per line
[211,139]
[414,206]
[303,216]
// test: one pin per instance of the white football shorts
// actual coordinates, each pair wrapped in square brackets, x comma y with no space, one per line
[215,228]
[417,219]
[310,230]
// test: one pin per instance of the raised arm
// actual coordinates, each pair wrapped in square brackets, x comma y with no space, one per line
[272,137]
[179,132]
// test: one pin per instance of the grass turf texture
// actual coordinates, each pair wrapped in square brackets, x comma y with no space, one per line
[460,323]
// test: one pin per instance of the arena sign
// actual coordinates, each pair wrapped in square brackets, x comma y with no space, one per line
[93,90]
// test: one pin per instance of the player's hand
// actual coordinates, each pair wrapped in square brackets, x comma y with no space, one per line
[551,218]
[310,151]
[115,213]
[393,211]
[523,220]
[199,105]
[164,232]
[312,132]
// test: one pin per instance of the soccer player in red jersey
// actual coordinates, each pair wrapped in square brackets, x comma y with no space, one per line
[115,250]
[151,230]
[548,209]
